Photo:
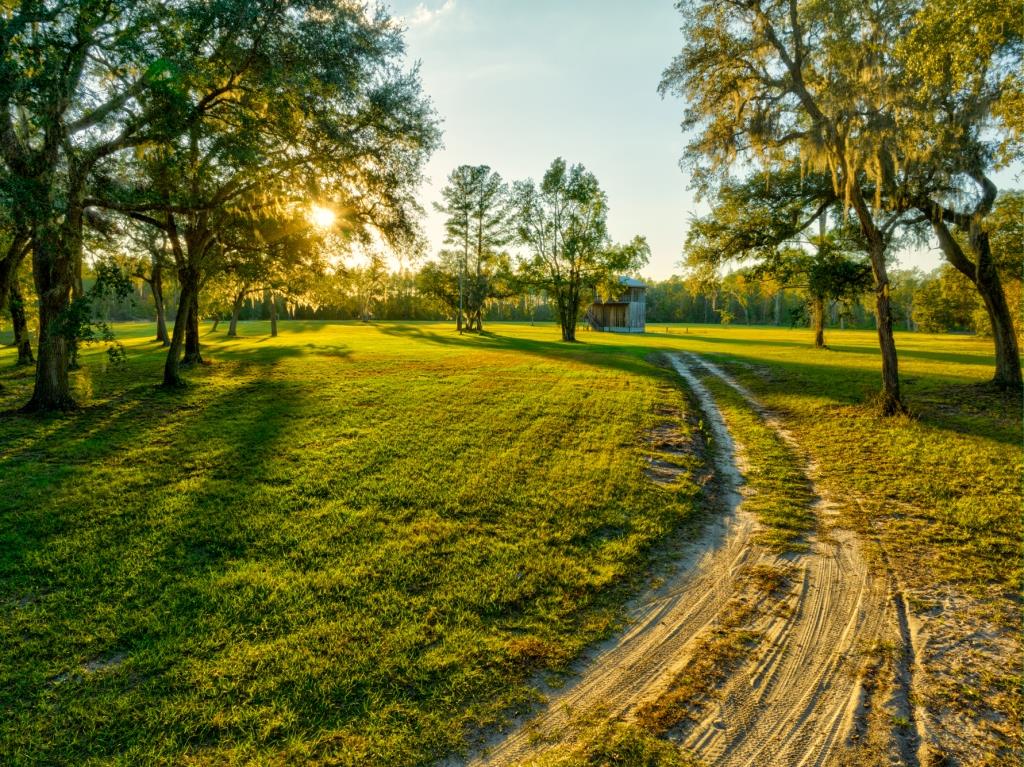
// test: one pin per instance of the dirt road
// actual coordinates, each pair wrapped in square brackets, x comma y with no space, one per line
[808,688]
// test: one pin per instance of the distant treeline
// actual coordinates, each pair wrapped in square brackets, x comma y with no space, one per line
[938,301]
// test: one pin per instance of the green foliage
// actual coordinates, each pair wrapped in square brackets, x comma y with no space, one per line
[79,324]
[1005,228]
[474,270]
[945,301]
[762,223]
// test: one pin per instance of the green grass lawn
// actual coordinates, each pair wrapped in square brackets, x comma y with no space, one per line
[349,543]
[356,544]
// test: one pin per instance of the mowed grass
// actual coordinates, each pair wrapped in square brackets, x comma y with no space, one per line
[941,488]
[355,544]
[347,545]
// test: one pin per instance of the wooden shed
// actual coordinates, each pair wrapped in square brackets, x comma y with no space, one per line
[626,313]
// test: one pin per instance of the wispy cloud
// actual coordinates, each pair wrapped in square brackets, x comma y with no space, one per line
[423,16]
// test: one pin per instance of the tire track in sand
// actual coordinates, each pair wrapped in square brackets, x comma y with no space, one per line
[792,702]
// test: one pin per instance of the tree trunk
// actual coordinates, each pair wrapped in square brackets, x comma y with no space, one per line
[157,285]
[193,351]
[189,282]
[22,339]
[236,309]
[986,280]
[77,293]
[273,315]
[891,401]
[10,262]
[53,256]
[567,310]
[778,308]
[818,321]
[1004,335]
[216,322]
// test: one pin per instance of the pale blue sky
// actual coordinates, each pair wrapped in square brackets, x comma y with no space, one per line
[520,82]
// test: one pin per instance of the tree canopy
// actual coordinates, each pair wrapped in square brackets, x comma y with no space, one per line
[191,115]
[563,223]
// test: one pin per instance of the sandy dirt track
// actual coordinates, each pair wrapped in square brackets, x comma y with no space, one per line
[797,697]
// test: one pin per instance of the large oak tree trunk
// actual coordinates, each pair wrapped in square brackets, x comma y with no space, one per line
[53,268]
[22,339]
[1004,335]
[891,400]
[1008,373]
[273,315]
[985,278]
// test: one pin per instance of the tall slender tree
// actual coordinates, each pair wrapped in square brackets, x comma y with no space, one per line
[476,228]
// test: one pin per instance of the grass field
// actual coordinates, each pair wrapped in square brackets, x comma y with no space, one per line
[355,544]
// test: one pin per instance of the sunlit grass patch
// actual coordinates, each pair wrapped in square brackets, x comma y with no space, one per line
[356,544]
[349,544]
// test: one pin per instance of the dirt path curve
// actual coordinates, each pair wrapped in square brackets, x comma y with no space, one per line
[793,700]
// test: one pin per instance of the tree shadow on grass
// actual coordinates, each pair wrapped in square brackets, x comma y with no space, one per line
[922,354]
[127,572]
[628,359]
[169,563]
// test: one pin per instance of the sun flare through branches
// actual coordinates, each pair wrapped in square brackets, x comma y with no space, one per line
[321,217]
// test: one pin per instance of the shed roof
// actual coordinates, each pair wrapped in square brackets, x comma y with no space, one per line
[630,282]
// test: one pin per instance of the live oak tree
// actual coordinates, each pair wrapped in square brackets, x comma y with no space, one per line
[88,88]
[476,229]
[562,221]
[961,94]
[767,80]
[768,222]
[79,83]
